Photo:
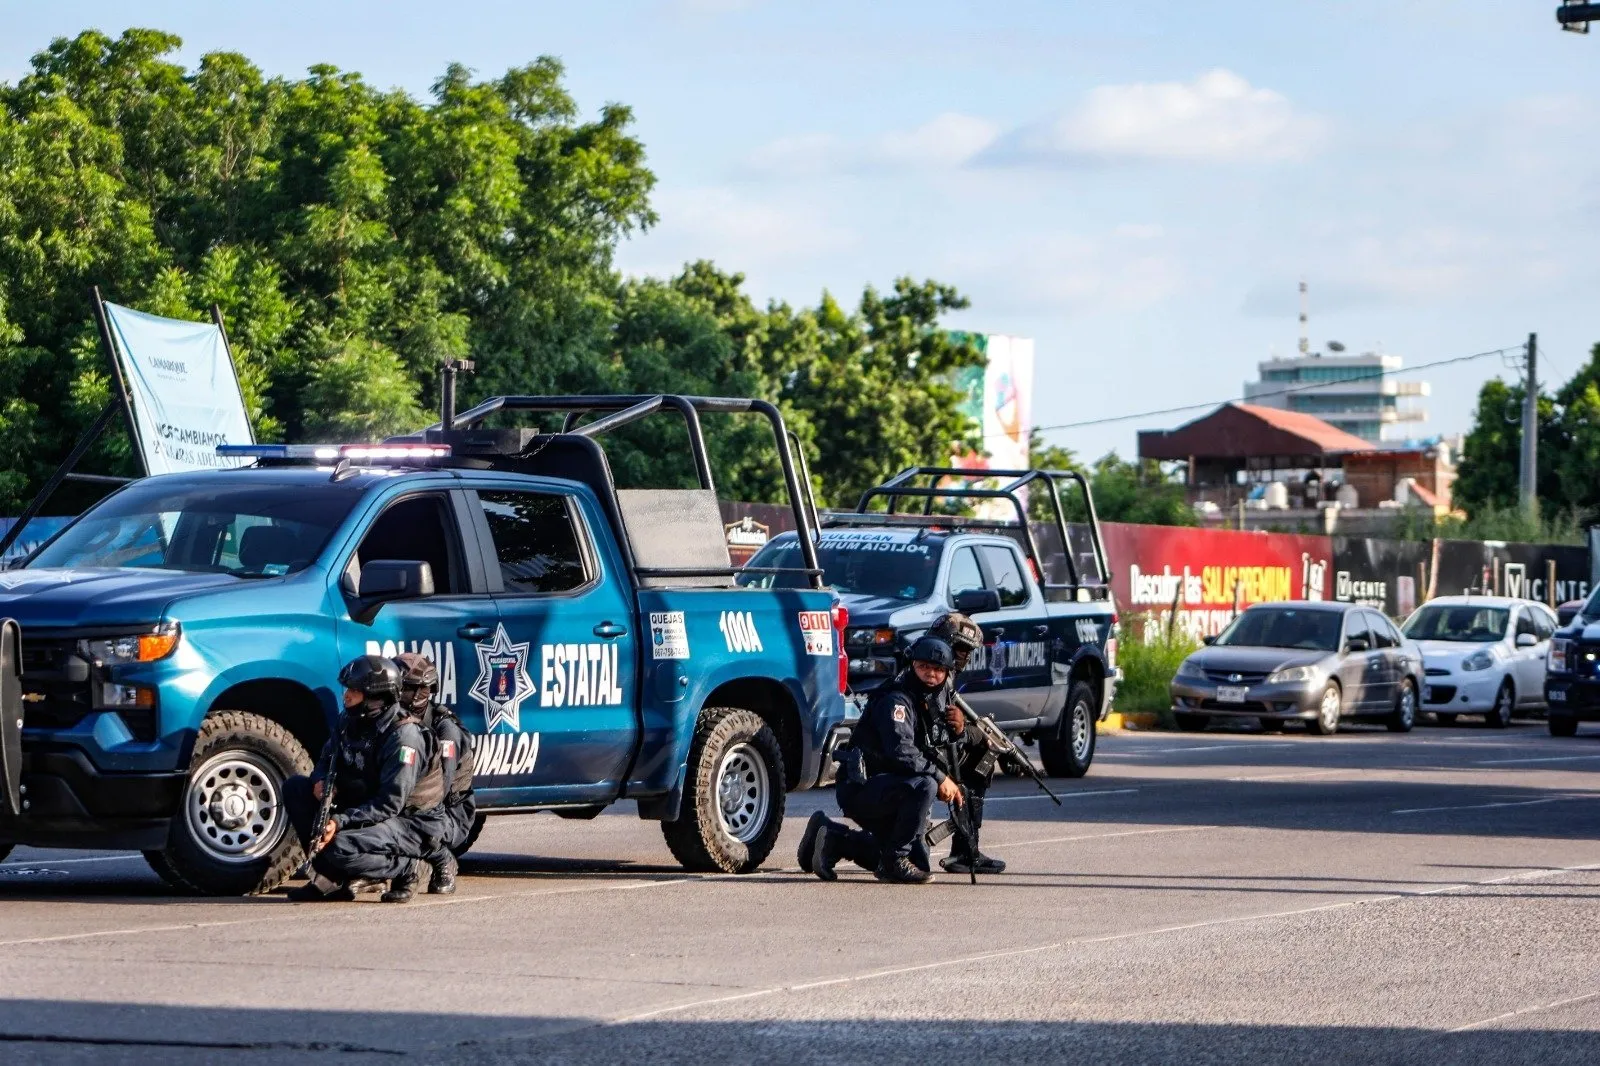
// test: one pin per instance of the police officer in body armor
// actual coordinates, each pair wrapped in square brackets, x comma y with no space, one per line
[889,778]
[446,827]
[385,771]
[964,636]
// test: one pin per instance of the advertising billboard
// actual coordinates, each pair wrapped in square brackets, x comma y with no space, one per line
[999,398]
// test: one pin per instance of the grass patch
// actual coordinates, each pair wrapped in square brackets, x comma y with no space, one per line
[1148,665]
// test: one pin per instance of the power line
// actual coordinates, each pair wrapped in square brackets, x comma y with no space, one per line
[1280,392]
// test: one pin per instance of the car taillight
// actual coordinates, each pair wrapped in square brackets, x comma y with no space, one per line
[841,619]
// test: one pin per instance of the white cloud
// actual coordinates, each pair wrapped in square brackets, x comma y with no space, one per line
[1126,269]
[1218,117]
[715,222]
[944,142]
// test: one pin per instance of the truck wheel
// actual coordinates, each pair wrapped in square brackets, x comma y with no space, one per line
[1562,727]
[733,795]
[231,836]
[472,837]
[5,849]
[1069,748]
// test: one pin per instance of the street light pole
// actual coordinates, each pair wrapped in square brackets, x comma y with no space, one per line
[1530,431]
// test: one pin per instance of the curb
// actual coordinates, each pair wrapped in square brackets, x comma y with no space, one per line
[1113,722]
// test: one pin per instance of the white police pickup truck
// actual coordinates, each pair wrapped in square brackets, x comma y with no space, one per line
[1047,669]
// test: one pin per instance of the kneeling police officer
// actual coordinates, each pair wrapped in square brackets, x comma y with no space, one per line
[889,778]
[964,637]
[447,826]
[384,771]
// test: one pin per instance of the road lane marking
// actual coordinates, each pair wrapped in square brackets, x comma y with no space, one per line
[1064,795]
[1525,1010]
[1297,773]
[1553,758]
[1102,836]
[1487,806]
[69,862]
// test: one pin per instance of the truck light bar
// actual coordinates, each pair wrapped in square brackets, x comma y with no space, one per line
[329,452]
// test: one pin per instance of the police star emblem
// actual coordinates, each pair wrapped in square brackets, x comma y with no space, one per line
[503,681]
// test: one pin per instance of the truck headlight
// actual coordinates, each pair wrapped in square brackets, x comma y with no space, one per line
[1291,674]
[868,637]
[160,642]
[1556,661]
[1481,659]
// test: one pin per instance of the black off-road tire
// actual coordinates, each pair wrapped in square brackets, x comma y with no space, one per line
[1068,750]
[1563,726]
[1404,715]
[189,865]
[472,837]
[1192,723]
[700,839]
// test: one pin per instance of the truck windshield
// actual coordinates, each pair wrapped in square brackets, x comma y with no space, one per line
[895,568]
[1465,622]
[260,530]
[1284,627]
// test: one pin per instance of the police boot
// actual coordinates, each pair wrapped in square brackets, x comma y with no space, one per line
[808,840]
[443,881]
[402,888]
[899,870]
[831,845]
[958,863]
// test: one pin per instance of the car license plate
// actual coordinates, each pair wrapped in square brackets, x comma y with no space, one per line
[1230,694]
[1558,695]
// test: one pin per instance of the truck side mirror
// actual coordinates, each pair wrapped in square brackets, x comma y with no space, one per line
[386,580]
[976,601]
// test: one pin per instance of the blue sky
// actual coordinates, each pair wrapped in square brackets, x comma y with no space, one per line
[1139,187]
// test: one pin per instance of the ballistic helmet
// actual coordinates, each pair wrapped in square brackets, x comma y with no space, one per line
[373,676]
[933,651]
[962,634]
[418,679]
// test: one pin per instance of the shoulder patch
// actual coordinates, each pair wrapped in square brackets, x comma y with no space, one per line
[899,714]
[447,748]
[408,756]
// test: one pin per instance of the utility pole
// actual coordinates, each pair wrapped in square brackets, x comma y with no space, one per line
[1530,431]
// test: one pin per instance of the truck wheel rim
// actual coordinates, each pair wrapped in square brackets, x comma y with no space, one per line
[743,793]
[1330,708]
[1081,731]
[234,807]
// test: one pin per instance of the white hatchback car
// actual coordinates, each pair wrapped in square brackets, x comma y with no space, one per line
[1482,655]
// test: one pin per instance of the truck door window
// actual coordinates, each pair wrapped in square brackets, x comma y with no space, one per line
[964,572]
[418,528]
[1005,575]
[535,541]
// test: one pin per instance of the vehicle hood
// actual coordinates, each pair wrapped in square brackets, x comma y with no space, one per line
[64,598]
[1451,651]
[1254,660]
[871,610]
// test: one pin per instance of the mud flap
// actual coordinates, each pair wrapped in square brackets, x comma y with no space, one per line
[11,713]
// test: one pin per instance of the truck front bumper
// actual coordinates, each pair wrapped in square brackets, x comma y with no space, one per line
[1571,698]
[68,803]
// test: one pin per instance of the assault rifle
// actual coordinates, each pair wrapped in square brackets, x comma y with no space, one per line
[325,810]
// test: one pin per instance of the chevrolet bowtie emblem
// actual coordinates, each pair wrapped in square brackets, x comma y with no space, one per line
[33,697]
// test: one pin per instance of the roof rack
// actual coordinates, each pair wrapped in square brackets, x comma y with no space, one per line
[904,484]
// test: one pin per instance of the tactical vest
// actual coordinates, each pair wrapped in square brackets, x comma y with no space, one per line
[447,729]
[429,791]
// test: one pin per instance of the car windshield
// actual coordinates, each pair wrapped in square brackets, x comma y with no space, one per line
[1458,621]
[1284,627]
[260,530]
[888,566]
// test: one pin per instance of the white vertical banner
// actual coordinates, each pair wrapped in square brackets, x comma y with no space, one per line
[183,389]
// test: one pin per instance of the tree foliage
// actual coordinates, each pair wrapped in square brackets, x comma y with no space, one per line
[1569,453]
[355,237]
[1124,490]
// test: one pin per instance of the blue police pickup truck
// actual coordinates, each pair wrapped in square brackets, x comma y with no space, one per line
[1047,670]
[181,639]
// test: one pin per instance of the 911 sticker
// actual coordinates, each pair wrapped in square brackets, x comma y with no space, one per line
[817,629]
[739,631]
[669,637]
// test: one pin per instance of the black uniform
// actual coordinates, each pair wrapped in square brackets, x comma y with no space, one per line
[386,772]
[970,749]
[449,824]
[898,738]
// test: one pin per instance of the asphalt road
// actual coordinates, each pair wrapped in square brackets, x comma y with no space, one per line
[1223,897]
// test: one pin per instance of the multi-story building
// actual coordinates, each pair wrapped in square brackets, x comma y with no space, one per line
[1356,393]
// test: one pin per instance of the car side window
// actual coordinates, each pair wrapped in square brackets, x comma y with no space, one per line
[1544,626]
[1355,628]
[1378,626]
[1525,623]
[1005,575]
[535,540]
[417,528]
[1394,632]
[964,572]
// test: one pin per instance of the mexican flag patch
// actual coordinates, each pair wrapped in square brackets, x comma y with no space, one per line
[408,756]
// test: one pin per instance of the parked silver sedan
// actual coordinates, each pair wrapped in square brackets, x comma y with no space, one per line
[1302,661]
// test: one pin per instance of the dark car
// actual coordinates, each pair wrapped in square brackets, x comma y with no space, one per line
[1302,661]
